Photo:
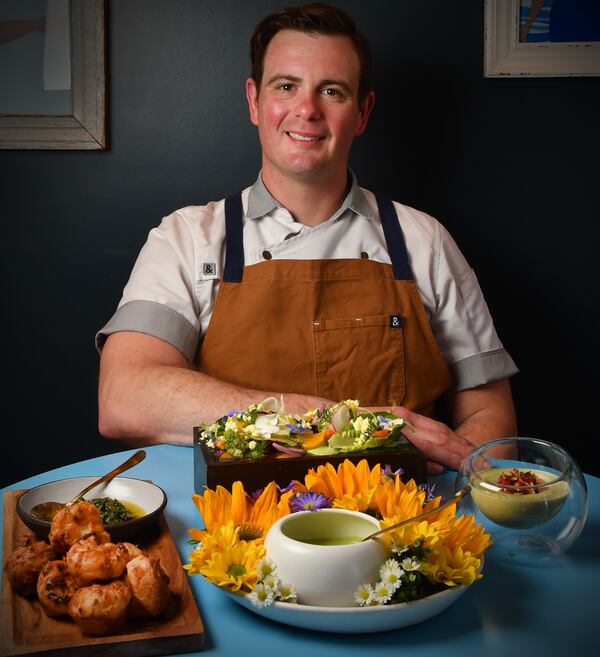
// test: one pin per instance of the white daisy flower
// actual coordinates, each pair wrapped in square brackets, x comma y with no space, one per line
[261,596]
[382,592]
[398,548]
[252,445]
[287,592]
[409,564]
[265,567]
[271,582]
[363,594]
[391,574]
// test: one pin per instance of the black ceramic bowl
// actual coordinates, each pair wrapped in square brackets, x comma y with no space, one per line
[144,494]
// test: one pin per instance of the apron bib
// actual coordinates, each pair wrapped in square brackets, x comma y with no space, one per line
[339,329]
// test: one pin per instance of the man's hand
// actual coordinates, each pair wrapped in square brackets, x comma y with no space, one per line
[439,443]
[477,415]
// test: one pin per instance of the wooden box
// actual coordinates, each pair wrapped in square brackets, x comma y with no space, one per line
[210,471]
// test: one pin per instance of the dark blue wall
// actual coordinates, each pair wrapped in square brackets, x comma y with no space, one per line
[510,166]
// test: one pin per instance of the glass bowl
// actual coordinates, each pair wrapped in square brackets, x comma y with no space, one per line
[529,494]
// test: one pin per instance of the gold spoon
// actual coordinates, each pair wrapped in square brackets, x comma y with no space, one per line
[47,510]
[465,490]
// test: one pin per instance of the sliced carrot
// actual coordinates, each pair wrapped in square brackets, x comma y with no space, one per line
[381,434]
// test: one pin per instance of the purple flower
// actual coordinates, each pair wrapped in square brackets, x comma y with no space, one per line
[430,494]
[233,413]
[388,473]
[296,428]
[255,495]
[287,489]
[310,501]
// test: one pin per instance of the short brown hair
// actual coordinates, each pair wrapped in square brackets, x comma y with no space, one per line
[315,18]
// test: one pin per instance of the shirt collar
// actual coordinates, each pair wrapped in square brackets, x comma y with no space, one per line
[261,201]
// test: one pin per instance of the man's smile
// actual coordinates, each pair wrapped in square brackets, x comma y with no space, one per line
[299,137]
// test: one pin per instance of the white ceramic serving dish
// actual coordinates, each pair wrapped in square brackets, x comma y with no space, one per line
[354,620]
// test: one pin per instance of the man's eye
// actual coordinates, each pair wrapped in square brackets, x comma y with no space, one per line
[331,91]
[286,86]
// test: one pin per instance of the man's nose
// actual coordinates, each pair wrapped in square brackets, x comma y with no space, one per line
[308,106]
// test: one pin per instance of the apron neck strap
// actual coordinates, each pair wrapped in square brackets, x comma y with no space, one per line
[394,239]
[234,241]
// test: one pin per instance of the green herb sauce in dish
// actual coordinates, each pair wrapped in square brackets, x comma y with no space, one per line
[114,512]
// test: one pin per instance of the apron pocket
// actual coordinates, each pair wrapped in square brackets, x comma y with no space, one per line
[360,358]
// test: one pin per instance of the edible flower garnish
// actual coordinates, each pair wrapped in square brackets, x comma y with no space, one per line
[440,551]
[266,428]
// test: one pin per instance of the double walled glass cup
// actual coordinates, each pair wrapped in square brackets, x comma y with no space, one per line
[529,494]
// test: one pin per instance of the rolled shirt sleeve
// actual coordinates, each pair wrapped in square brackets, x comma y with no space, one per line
[160,298]
[462,323]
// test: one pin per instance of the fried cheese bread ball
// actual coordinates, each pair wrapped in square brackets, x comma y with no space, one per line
[132,550]
[89,562]
[55,588]
[149,587]
[100,609]
[23,566]
[74,522]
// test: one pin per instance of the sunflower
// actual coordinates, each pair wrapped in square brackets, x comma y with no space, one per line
[234,566]
[351,486]
[253,519]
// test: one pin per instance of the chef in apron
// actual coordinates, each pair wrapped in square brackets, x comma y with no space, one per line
[302,285]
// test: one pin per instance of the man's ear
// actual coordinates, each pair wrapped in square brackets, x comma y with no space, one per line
[365,112]
[252,98]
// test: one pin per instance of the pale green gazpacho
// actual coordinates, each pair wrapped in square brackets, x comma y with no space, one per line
[518,510]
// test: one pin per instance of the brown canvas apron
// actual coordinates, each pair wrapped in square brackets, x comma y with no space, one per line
[339,329]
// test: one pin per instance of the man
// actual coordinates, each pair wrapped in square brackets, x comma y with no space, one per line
[305,284]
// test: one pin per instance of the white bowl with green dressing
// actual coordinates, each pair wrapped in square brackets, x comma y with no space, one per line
[322,555]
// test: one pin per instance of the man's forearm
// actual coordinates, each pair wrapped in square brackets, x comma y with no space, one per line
[484,413]
[148,393]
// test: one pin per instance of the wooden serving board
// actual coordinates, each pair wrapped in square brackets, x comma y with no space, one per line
[26,630]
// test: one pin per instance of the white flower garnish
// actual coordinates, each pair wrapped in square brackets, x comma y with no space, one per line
[265,567]
[261,596]
[391,574]
[364,594]
[382,592]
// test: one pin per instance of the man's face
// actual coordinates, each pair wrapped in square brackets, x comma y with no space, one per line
[307,111]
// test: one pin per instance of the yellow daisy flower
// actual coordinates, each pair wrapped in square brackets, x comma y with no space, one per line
[426,533]
[222,537]
[234,566]
[463,533]
[451,567]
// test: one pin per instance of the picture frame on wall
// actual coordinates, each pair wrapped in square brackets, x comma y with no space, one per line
[542,38]
[55,76]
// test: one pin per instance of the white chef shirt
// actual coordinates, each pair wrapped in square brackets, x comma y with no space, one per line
[174,283]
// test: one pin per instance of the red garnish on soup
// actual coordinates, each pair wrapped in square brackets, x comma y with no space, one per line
[519,478]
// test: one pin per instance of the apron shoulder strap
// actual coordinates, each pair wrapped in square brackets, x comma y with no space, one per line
[394,239]
[234,239]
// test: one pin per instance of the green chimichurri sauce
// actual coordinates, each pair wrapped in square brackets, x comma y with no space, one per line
[114,512]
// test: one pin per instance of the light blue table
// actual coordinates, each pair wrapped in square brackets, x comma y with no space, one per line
[513,611]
